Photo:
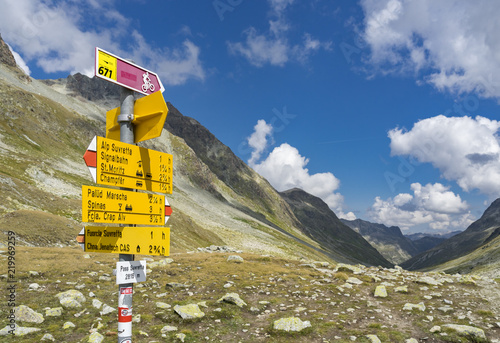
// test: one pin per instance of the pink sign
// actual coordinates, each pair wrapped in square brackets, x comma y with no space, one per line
[126,74]
[136,78]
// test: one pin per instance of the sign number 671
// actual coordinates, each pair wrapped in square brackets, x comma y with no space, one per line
[104,72]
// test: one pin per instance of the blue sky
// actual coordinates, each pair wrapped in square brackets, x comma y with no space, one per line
[386,109]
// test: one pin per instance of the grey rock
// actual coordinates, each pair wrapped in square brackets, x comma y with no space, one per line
[190,311]
[233,298]
[293,324]
[235,259]
[25,314]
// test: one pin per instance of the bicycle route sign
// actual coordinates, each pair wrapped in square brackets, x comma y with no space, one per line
[125,73]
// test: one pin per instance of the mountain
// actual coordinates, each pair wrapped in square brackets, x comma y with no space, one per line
[6,57]
[389,241]
[318,221]
[459,245]
[484,260]
[45,128]
[420,235]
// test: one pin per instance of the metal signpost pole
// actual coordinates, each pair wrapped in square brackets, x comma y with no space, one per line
[125,291]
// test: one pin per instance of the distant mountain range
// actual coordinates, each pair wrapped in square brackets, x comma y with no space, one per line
[477,234]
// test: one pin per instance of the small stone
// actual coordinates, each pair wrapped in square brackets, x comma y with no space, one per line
[190,311]
[33,273]
[95,337]
[291,324]
[181,337]
[435,329]
[18,330]
[71,298]
[401,289]
[380,292]
[53,312]
[176,285]
[68,325]
[235,259]
[466,330]
[354,281]
[136,318]
[445,309]
[25,314]
[96,303]
[342,267]
[34,287]
[232,298]
[373,338]
[106,309]
[162,305]
[168,328]
[411,340]
[410,307]
[427,280]
[48,337]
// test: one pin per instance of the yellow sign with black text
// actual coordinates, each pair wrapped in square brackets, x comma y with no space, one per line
[128,240]
[130,166]
[115,206]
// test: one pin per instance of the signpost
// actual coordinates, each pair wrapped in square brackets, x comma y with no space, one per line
[115,163]
[154,241]
[125,73]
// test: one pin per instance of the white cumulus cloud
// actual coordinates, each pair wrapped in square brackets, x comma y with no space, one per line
[285,168]
[56,37]
[433,205]
[464,149]
[453,44]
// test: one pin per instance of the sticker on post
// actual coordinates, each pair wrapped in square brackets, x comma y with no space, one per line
[130,272]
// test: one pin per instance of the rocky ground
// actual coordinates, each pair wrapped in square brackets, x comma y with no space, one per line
[221,295]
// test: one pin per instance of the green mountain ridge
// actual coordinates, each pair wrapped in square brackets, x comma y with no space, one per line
[461,244]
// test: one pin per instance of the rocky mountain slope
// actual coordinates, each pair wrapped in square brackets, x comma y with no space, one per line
[318,221]
[389,241]
[45,128]
[476,235]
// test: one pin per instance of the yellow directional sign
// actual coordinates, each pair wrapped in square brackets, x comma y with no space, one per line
[150,114]
[129,166]
[128,240]
[114,206]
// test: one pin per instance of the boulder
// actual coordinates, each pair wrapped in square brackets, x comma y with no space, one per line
[25,314]
[190,311]
[466,330]
[71,298]
[410,307]
[235,259]
[291,324]
[233,298]
[373,339]
[380,292]
[95,337]
[54,312]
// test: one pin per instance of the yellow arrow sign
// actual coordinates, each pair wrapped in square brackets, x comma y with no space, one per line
[150,114]
[128,240]
[114,206]
[115,163]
